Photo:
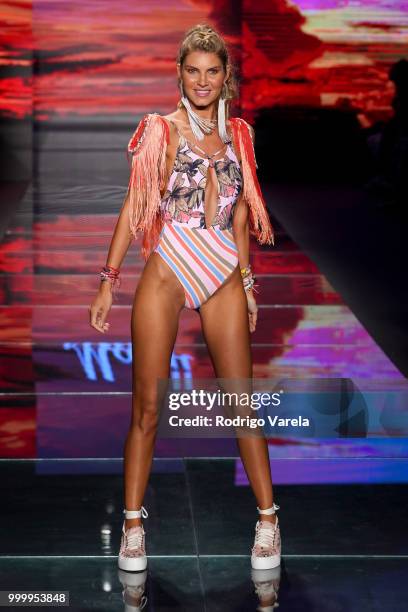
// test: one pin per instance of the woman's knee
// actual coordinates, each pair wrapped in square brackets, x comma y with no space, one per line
[145,408]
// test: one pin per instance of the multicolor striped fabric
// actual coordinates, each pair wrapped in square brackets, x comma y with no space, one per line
[202,259]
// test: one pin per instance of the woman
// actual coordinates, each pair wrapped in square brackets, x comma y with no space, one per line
[194,195]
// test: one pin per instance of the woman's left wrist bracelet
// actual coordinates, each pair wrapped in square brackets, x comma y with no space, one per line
[246,271]
[248,279]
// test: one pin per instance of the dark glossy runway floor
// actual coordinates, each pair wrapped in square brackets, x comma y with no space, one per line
[345,547]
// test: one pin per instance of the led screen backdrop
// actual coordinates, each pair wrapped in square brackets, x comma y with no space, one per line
[93,61]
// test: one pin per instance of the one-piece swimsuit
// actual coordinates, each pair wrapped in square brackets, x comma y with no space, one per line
[201,257]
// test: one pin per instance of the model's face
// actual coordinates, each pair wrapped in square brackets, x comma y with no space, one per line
[203,76]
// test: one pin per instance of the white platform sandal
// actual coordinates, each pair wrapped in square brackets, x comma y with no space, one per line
[266,551]
[132,553]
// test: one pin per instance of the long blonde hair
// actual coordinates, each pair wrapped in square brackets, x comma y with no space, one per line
[202,37]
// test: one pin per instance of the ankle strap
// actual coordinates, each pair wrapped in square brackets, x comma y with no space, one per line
[270,510]
[131,514]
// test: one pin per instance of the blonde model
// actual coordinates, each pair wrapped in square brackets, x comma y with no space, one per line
[194,197]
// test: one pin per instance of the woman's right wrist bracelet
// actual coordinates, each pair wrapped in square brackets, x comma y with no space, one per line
[111,274]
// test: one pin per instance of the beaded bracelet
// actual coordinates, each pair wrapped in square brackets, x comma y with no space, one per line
[111,274]
[246,271]
[250,284]
[248,278]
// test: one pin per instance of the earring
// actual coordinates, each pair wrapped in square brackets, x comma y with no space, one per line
[199,126]
[222,127]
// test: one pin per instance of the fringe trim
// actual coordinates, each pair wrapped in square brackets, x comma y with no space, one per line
[147,147]
[259,222]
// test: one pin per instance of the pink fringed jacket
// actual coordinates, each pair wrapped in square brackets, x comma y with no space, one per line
[147,147]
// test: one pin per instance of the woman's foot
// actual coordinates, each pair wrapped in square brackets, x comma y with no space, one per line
[132,553]
[266,551]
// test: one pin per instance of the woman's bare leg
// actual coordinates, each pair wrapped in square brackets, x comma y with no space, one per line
[158,301]
[225,327]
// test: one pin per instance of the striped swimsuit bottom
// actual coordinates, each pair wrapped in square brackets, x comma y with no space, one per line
[201,257]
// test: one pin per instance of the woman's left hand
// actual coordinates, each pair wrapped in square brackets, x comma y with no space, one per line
[252,310]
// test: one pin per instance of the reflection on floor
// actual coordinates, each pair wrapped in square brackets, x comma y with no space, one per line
[343,546]
[213,584]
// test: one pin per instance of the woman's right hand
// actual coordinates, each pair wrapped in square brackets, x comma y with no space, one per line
[100,307]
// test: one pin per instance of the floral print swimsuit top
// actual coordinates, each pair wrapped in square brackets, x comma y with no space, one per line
[183,202]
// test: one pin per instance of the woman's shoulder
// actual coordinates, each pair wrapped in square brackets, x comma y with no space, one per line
[166,121]
[236,121]
[169,120]
[151,125]
[239,120]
